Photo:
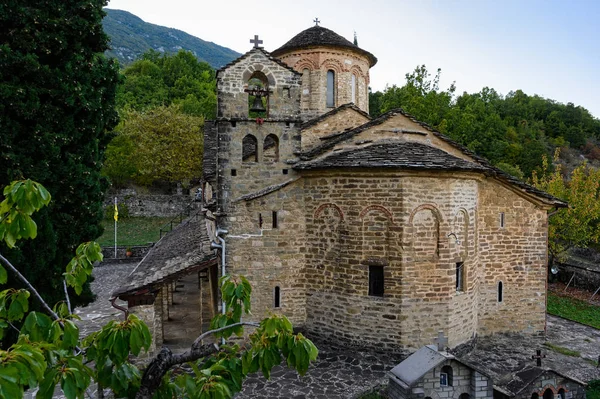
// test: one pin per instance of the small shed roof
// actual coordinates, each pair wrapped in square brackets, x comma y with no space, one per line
[414,367]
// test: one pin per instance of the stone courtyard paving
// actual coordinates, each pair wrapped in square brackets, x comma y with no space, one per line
[342,372]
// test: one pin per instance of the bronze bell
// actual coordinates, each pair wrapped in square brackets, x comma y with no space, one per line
[258,106]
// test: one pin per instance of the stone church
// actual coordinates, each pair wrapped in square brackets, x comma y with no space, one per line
[372,231]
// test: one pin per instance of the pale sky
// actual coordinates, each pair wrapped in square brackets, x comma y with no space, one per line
[545,47]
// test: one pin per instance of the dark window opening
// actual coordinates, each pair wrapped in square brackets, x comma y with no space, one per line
[274,219]
[561,393]
[233,123]
[249,149]
[260,221]
[446,376]
[287,124]
[330,89]
[284,171]
[233,172]
[500,291]
[501,219]
[375,280]
[460,276]
[277,297]
[464,396]
[548,394]
[535,395]
[271,148]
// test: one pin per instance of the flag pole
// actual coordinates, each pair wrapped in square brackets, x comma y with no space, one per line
[116,218]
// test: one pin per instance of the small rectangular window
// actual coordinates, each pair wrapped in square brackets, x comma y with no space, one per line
[233,172]
[274,219]
[375,280]
[277,297]
[501,219]
[443,379]
[500,291]
[260,221]
[233,123]
[460,276]
[284,171]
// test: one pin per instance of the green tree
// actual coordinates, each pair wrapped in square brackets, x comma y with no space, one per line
[159,144]
[57,96]
[50,351]
[161,80]
[579,224]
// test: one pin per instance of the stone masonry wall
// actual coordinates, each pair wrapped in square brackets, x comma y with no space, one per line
[557,384]
[270,256]
[515,255]
[338,122]
[318,61]
[284,84]
[354,222]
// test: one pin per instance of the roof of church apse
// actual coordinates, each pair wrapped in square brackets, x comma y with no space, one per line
[310,157]
[317,36]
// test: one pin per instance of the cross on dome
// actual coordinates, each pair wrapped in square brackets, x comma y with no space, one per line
[316,21]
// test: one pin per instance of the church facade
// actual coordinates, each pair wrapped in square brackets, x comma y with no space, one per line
[376,232]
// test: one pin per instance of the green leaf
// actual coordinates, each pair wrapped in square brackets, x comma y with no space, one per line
[71,334]
[3,275]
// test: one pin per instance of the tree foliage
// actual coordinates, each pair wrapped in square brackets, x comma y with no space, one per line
[512,131]
[50,352]
[57,95]
[579,224]
[161,79]
[158,144]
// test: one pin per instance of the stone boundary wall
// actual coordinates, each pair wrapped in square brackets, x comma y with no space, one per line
[139,251]
[587,277]
[148,205]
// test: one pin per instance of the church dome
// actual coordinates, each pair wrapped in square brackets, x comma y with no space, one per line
[317,36]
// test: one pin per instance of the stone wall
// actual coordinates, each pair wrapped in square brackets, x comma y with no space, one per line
[464,380]
[149,205]
[283,83]
[560,386]
[318,61]
[152,315]
[335,123]
[515,255]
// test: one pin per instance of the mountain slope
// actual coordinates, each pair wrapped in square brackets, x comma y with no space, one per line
[131,36]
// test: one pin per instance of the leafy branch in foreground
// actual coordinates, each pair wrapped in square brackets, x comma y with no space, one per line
[50,351]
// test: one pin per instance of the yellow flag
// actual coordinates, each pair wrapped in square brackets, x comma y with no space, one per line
[116,213]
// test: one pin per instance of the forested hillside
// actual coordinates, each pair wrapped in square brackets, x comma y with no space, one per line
[512,131]
[130,37]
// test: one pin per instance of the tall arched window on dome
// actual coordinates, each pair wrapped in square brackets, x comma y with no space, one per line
[353,88]
[330,89]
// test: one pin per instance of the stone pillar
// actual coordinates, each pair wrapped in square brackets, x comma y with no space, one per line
[171,289]
[152,315]
[205,297]
[165,303]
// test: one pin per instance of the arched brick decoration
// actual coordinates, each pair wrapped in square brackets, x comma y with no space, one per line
[322,207]
[333,64]
[305,64]
[376,221]
[328,219]
[265,76]
[460,227]
[355,69]
[425,221]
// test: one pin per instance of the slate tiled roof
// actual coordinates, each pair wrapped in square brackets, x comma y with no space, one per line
[498,173]
[320,36]
[414,367]
[326,115]
[180,251]
[266,53]
[397,154]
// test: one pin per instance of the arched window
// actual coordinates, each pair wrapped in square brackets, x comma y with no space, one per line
[535,395]
[258,95]
[305,88]
[277,297]
[446,376]
[464,396]
[548,394]
[353,88]
[330,89]
[271,148]
[500,291]
[561,393]
[249,149]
